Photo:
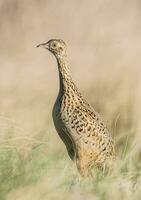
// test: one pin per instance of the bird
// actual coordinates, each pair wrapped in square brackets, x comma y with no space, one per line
[86,137]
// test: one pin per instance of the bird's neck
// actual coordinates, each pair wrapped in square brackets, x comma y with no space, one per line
[67,86]
[65,78]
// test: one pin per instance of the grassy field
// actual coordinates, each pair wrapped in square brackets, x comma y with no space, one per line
[34,163]
[104,47]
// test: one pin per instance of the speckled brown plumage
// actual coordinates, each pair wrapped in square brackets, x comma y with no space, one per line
[86,137]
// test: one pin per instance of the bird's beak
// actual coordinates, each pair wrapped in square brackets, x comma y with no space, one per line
[43,45]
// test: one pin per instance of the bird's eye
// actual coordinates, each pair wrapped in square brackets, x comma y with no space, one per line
[54,45]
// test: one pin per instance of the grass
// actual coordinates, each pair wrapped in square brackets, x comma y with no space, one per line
[51,176]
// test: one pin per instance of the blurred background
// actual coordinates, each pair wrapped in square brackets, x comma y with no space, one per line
[104,54]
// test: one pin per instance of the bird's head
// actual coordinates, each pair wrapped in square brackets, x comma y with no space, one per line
[56,46]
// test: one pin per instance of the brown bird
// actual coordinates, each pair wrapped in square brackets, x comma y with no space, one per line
[86,137]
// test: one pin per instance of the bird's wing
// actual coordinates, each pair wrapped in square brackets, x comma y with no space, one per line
[88,127]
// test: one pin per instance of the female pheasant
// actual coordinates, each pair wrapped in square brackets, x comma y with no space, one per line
[86,137]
